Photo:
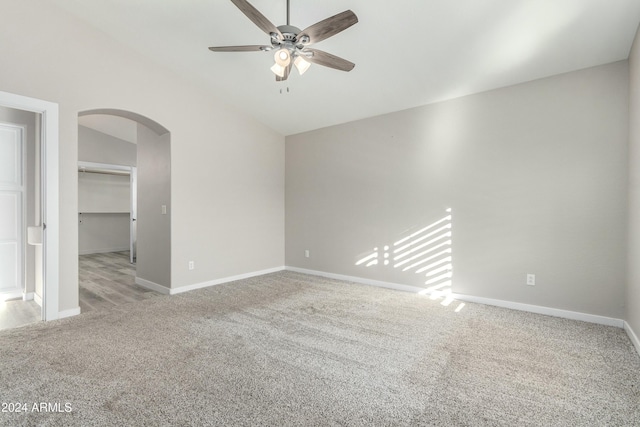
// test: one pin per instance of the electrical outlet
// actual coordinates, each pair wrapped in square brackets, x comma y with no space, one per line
[192,265]
[163,209]
[531,279]
[307,254]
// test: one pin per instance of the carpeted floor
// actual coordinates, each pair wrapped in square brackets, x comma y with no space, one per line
[291,349]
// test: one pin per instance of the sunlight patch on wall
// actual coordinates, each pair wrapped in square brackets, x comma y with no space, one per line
[427,252]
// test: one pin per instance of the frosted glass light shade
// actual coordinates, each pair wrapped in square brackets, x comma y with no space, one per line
[302,65]
[282,57]
[278,70]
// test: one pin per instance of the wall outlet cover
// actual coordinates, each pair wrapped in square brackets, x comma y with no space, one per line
[531,279]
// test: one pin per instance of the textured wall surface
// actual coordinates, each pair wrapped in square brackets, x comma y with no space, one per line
[535,175]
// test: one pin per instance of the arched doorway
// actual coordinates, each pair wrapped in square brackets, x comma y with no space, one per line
[124,201]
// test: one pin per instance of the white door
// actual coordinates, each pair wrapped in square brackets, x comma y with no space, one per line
[11,199]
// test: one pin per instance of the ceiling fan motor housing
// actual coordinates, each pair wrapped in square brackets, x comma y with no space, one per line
[289,32]
[289,39]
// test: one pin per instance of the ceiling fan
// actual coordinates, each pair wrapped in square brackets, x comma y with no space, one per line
[291,44]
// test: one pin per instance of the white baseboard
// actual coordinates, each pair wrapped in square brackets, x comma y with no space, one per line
[632,336]
[37,299]
[174,291]
[28,296]
[548,311]
[361,280]
[68,313]
[11,295]
[153,286]
[591,318]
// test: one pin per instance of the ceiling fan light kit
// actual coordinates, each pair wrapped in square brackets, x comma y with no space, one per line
[301,64]
[282,57]
[278,70]
[291,44]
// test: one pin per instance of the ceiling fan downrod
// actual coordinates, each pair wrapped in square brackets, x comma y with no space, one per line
[288,13]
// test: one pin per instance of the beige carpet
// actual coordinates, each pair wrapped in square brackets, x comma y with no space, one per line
[291,349]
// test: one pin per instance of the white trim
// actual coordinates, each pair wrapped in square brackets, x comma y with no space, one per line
[69,313]
[37,299]
[51,217]
[51,212]
[548,311]
[152,285]
[6,296]
[215,282]
[632,336]
[591,318]
[361,280]
[28,296]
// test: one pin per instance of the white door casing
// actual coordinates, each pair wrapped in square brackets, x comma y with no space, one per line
[50,191]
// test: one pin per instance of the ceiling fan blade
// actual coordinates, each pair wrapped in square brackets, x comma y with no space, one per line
[249,48]
[328,60]
[328,27]
[287,71]
[257,18]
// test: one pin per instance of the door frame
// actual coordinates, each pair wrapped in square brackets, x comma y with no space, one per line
[133,226]
[50,195]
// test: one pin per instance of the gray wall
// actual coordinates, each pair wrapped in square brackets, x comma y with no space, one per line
[104,205]
[97,147]
[103,200]
[100,193]
[154,191]
[238,228]
[633,287]
[535,175]
[103,232]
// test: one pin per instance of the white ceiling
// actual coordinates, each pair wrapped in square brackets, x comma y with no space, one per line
[407,53]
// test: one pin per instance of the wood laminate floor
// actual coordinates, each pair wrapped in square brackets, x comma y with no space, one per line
[107,280]
[18,313]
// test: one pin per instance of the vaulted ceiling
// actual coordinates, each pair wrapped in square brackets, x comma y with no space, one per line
[407,53]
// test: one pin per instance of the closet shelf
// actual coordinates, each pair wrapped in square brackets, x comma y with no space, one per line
[104,212]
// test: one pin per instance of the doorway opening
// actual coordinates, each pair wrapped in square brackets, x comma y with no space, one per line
[123,213]
[28,210]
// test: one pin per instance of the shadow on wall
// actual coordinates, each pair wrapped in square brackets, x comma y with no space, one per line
[428,252]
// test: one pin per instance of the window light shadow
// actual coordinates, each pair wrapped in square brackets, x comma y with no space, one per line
[427,252]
